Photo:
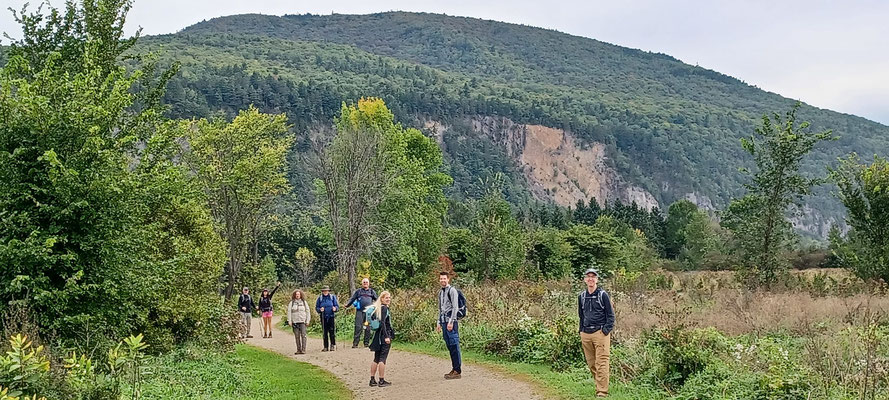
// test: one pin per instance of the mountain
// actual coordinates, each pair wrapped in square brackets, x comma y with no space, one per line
[562,117]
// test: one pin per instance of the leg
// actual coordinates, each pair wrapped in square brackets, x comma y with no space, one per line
[324,332]
[603,358]
[296,337]
[359,326]
[368,335]
[452,341]
[373,369]
[382,369]
[332,325]
[589,351]
[302,336]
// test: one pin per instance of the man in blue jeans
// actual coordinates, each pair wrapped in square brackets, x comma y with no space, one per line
[447,322]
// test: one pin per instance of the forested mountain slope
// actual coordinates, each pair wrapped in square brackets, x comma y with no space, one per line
[669,128]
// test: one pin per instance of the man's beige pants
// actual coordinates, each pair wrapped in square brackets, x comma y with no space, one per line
[597,351]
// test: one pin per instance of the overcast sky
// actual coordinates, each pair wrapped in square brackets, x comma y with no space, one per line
[831,54]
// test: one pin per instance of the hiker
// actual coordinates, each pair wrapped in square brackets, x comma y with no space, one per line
[326,306]
[447,323]
[267,310]
[382,340]
[246,307]
[362,298]
[298,316]
[596,323]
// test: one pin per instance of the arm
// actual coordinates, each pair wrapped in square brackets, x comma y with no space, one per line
[252,304]
[290,313]
[318,305]
[580,311]
[454,304]
[352,299]
[272,293]
[308,313]
[336,304]
[373,294]
[609,314]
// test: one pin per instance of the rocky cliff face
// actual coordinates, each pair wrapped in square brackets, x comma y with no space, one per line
[556,166]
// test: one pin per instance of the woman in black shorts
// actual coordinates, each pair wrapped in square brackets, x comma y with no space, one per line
[382,340]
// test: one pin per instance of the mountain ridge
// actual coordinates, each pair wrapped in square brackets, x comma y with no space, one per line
[669,127]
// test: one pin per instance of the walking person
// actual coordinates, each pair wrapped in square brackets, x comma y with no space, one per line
[246,307]
[596,323]
[362,298]
[298,316]
[447,323]
[267,310]
[382,340]
[327,306]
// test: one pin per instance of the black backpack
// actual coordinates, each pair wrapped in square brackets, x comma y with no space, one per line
[461,304]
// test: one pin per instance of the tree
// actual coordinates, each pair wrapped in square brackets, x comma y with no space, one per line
[303,263]
[383,190]
[679,215]
[241,167]
[92,208]
[550,253]
[778,147]
[500,241]
[864,190]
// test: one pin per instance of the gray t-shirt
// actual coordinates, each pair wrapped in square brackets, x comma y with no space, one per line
[447,305]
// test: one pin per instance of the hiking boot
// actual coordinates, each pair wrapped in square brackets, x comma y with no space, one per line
[249,336]
[325,349]
[384,383]
[333,348]
[452,375]
[373,382]
[354,346]
[270,335]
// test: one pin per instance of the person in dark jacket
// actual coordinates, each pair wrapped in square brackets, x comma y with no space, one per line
[267,310]
[596,323]
[327,306]
[246,307]
[362,298]
[382,340]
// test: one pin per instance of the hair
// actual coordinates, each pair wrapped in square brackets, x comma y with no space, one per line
[444,273]
[378,304]
[302,296]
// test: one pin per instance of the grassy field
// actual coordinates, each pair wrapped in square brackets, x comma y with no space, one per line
[248,373]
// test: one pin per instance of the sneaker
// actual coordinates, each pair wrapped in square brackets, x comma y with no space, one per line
[373,382]
[600,394]
[384,383]
[324,349]
[333,348]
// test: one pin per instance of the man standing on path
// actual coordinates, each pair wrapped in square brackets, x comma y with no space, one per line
[365,296]
[596,323]
[327,306]
[246,307]
[447,322]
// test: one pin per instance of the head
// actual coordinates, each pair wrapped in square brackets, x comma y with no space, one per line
[325,291]
[297,295]
[245,290]
[591,278]
[444,278]
[265,293]
[384,300]
[365,283]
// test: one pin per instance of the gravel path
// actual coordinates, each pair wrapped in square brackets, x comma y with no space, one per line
[413,376]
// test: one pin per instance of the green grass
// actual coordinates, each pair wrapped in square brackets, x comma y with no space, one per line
[247,373]
[551,384]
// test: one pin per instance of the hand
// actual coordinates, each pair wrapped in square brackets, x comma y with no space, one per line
[438,327]
[450,326]
[278,284]
[388,341]
[334,309]
[244,309]
[288,324]
[322,309]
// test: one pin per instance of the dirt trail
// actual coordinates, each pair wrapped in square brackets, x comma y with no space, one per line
[413,376]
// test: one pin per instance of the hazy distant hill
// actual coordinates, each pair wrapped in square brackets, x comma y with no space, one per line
[486,88]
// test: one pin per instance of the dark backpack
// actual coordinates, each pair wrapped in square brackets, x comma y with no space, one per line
[461,304]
